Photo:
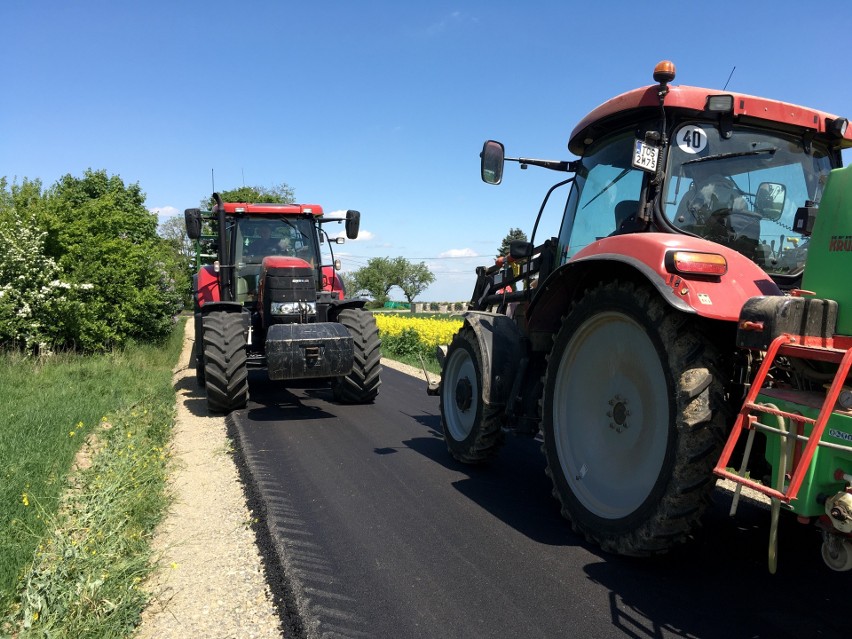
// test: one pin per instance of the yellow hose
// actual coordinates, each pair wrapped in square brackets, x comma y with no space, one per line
[739,487]
[785,449]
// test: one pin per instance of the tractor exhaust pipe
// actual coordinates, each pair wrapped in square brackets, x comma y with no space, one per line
[225,267]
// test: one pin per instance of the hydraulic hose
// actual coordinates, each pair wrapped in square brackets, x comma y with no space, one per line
[784,451]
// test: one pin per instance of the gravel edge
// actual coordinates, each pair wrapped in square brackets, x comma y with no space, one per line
[210,581]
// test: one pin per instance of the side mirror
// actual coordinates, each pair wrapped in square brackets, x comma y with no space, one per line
[492,156]
[520,249]
[353,224]
[192,218]
[769,201]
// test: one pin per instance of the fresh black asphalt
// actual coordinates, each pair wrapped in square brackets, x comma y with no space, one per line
[371,529]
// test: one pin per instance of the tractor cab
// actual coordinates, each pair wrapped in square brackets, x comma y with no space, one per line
[729,168]
[271,240]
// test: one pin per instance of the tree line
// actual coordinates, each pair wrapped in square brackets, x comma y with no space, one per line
[82,266]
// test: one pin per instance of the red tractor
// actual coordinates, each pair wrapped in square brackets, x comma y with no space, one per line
[267,301]
[617,340]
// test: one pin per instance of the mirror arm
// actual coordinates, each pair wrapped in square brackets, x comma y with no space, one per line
[553,165]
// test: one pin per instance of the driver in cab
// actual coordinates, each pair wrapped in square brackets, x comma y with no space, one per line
[268,245]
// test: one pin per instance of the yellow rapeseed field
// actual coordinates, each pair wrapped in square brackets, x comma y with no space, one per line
[432,331]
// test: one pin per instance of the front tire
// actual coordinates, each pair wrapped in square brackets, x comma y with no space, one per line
[627,419]
[225,361]
[471,426]
[361,386]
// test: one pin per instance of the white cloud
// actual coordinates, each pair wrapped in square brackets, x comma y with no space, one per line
[362,236]
[464,252]
[164,212]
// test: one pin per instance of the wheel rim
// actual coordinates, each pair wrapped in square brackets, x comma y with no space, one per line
[461,394]
[611,415]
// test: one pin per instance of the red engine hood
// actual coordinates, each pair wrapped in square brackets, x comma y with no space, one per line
[284,261]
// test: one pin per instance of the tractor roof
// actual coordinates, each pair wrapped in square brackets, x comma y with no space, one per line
[644,102]
[245,208]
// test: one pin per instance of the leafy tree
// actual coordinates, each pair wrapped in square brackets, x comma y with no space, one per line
[96,231]
[349,284]
[383,273]
[379,276]
[415,279]
[173,230]
[514,234]
[275,194]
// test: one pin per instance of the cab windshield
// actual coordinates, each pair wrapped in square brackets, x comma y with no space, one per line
[743,191]
[257,237]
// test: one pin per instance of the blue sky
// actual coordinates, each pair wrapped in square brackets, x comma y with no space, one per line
[377,106]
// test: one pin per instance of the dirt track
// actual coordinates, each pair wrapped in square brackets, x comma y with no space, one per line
[211,583]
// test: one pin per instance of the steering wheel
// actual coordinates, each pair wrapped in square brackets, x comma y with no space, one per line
[715,195]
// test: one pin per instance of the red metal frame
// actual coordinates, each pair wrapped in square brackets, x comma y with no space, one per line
[838,350]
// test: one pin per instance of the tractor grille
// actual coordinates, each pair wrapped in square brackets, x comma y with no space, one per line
[290,285]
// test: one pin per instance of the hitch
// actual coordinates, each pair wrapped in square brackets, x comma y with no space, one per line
[432,386]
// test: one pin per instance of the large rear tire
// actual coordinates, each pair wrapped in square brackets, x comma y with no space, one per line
[225,361]
[627,418]
[471,426]
[361,386]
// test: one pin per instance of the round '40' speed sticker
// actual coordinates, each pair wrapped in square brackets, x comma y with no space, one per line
[691,139]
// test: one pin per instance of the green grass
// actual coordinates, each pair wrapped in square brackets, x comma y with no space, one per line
[73,549]
[412,360]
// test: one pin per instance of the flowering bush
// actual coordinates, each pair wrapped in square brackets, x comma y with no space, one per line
[36,305]
[402,335]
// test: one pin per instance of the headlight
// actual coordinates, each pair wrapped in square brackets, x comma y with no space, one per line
[293,308]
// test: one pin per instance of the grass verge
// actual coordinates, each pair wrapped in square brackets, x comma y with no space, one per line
[74,546]
[432,366]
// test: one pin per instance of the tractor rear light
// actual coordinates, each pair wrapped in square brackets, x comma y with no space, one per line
[692,263]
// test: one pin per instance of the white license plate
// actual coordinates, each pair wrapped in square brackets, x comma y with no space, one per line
[645,156]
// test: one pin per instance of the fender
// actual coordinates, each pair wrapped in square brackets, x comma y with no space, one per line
[643,255]
[331,281]
[335,306]
[501,350]
[207,285]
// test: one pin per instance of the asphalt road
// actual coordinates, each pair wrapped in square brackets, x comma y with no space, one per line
[371,529]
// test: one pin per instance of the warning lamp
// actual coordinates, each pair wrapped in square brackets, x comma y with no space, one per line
[664,72]
[692,263]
